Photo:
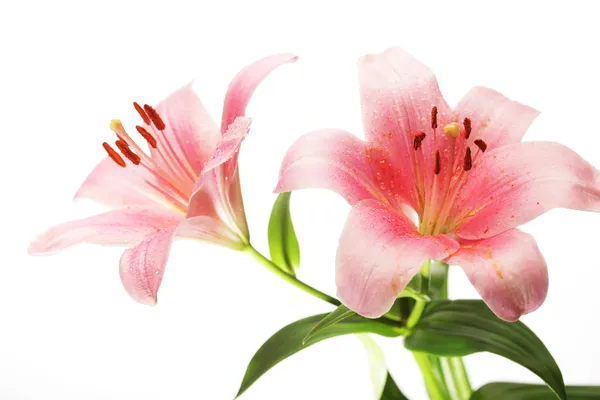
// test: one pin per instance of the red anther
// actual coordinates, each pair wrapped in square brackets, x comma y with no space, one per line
[434,113]
[153,115]
[114,155]
[438,164]
[142,113]
[468,160]
[481,144]
[418,139]
[467,124]
[149,138]
[126,151]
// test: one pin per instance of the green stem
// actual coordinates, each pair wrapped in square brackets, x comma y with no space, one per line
[432,373]
[454,370]
[456,375]
[290,278]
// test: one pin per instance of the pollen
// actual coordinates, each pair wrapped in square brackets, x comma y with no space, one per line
[438,164]
[468,160]
[146,135]
[467,125]
[142,113]
[434,113]
[154,117]
[452,130]
[114,155]
[481,144]
[419,137]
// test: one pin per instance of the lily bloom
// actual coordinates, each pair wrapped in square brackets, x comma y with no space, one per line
[466,174]
[186,185]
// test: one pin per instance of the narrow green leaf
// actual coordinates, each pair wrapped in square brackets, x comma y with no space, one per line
[384,386]
[283,244]
[340,314]
[458,328]
[391,390]
[288,341]
[522,391]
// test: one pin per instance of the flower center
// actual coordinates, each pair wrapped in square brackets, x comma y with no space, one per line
[168,184]
[438,185]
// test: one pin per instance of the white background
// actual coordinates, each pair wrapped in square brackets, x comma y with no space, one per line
[67,328]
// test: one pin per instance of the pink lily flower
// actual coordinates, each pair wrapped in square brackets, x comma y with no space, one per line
[466,174]
[187,185]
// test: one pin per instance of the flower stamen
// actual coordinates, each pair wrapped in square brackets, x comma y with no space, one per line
[438,164]
[468,160]
[114,155]
[142,113]
[154,117]
[434,113]
[418,139]
[481,144]
[126,151]
[467,125]
[146,135]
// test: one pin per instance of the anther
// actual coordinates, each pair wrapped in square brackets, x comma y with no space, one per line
[142,113]
[452,130]
[153,115]
[434,113]
[114,155]
[468,160]
[419,137]
[149,138]
[481,144]
[438,164]
[126,151]
[467,124]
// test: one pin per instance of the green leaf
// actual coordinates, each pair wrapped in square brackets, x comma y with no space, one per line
[283,244]
[391,390]
[458,328]
[340,314]
[521,391]
[288,341]
[383,384]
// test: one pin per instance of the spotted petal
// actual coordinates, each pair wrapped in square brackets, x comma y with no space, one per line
[508,271]
[397,96]
[380,251]
[495,119]
[514,184]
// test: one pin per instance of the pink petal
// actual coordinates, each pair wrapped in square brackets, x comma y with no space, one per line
[496,119]
[117,227]
[229,145]
[329,159]
[245,83]
[115,186]
[508,271]
[218,187]
[189,136]
[210,230]
[380,251]
[397,96]
[142,267]
[514,184]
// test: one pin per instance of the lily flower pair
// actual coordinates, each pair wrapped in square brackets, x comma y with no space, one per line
[463,171]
